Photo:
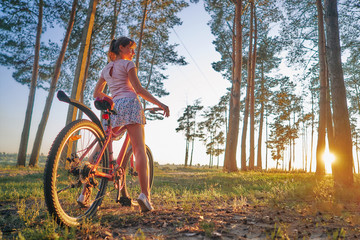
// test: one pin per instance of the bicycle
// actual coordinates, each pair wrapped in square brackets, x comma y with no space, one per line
[82,154]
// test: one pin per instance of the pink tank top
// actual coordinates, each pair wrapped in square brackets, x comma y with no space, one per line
[119,83]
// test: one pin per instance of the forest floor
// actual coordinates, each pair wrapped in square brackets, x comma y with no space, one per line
[195,203]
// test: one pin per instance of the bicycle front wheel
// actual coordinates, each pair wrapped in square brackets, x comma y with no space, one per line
[131,176]
[68,172]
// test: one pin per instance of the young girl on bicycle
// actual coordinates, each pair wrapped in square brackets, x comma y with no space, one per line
[121,76]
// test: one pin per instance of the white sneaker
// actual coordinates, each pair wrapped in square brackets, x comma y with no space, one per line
[84,199]
[144,203]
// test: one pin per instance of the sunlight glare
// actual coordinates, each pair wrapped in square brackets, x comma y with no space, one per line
[328,158]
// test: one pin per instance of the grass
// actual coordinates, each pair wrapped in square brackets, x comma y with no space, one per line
[196,200]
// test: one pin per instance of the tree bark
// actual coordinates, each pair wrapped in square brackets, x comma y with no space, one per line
[82,59]
[35,72]
[342,166]
[259,157]
[357,153]
[320,166]
[234,111]
[267,138]
[192,152]
[244,131]
[115,18]
[141,34]
[329,120]
[247,100]
[34,158]
[186,152]
[252,98]
[312,131]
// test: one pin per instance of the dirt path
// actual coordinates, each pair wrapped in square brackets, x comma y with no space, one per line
[221,221]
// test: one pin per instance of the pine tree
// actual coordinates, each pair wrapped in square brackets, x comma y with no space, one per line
[268,61]
[79,79]
[20,50]
[34,157]
[35,71]
[342,166]
[187,123]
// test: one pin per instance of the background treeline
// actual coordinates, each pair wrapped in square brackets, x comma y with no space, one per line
[294,117]
[9,159]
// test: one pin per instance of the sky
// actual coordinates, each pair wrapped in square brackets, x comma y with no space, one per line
[197,80]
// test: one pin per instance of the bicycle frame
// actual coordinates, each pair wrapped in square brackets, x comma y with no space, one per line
[109,133]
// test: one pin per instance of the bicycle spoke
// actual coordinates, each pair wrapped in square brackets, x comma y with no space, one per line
[69,172]
[67,187]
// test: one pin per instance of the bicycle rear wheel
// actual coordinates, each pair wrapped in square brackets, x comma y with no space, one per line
[131,175]
[67,170]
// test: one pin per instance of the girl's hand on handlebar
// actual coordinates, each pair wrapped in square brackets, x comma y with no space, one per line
[165,109]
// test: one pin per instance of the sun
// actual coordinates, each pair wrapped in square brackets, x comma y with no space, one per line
[328,158]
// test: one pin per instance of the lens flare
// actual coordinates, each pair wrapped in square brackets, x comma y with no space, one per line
[328,158]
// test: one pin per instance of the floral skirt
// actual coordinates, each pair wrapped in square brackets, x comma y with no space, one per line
[129,111]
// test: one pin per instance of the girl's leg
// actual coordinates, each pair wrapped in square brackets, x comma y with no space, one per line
[137,138]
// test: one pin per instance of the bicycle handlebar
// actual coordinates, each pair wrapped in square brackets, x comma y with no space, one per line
[153,110]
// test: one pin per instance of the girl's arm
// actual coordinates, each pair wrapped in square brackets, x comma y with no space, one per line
[135,82]
[99,88]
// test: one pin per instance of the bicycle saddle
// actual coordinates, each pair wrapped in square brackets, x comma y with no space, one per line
[104,103]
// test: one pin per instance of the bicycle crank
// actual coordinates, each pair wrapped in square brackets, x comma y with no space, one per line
[87,175]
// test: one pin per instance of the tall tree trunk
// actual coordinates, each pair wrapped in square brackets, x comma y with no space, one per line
[294,152]
[34,158]
[186,152]
[329,120]
[306,148]
[290,147]
[192,151]
[234,112]
[115,18]
[28,115]
[259,158]
[142,27]
[357,153]
[342,166]
[83,84]
[116,12]
[150,74]
[248,98]
[151,69]
[252,95]
[82,59]
[358,97]
[267,138]
[312,131]
[293,145]
[244,131]
[320,166]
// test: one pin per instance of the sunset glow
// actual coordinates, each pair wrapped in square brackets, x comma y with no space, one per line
[328,158]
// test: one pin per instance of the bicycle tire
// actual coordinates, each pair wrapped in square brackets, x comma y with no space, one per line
[65,173]
[132,181]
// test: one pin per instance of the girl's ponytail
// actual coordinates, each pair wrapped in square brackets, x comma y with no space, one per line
[113,47]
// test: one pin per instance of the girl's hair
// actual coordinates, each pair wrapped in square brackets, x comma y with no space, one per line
[123,41]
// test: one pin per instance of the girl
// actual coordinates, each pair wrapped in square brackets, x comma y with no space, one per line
[121,76]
